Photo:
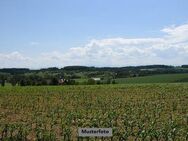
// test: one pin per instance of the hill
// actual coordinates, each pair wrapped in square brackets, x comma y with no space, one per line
[162,78]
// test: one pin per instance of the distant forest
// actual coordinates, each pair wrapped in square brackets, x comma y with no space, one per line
[70,74]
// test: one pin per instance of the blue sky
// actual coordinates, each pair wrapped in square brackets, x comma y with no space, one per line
[30,29]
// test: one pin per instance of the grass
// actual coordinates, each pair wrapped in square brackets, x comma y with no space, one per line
[81,80]
[163,78]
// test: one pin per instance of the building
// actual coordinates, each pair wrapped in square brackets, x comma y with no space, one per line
[96,79]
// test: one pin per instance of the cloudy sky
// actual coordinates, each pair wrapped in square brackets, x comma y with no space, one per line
[57,33]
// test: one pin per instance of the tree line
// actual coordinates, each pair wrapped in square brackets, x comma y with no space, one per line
[68,74]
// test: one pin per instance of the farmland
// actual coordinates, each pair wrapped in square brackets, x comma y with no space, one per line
[160,78]
[135,112]
[83,75]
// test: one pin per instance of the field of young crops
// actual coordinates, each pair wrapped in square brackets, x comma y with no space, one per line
[147,112]
[159,78]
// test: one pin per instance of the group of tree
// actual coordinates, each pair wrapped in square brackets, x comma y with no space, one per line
[32,80]
[51,76]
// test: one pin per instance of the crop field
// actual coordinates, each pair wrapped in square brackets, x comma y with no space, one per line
[160,78]
[140,112]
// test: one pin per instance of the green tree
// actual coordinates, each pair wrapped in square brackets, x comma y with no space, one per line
[13,80]
[54,81]
[3,82]
[2,79]
[91,82]
[108,81]
[113,81]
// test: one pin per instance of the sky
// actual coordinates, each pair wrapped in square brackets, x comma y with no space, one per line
[58,33]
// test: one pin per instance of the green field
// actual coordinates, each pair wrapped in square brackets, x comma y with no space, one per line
[81,80]
[147,112]
[163,78]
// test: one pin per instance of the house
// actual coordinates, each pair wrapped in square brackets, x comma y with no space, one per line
[96,79]
[61,81]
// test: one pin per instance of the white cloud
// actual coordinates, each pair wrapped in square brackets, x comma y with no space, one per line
[14,59]
[176,34]
[171,48]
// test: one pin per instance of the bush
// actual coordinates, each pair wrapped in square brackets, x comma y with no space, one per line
[113,81]
[91,82]
[54,81]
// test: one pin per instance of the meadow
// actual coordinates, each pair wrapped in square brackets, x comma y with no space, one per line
[159,78]
[139,112]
